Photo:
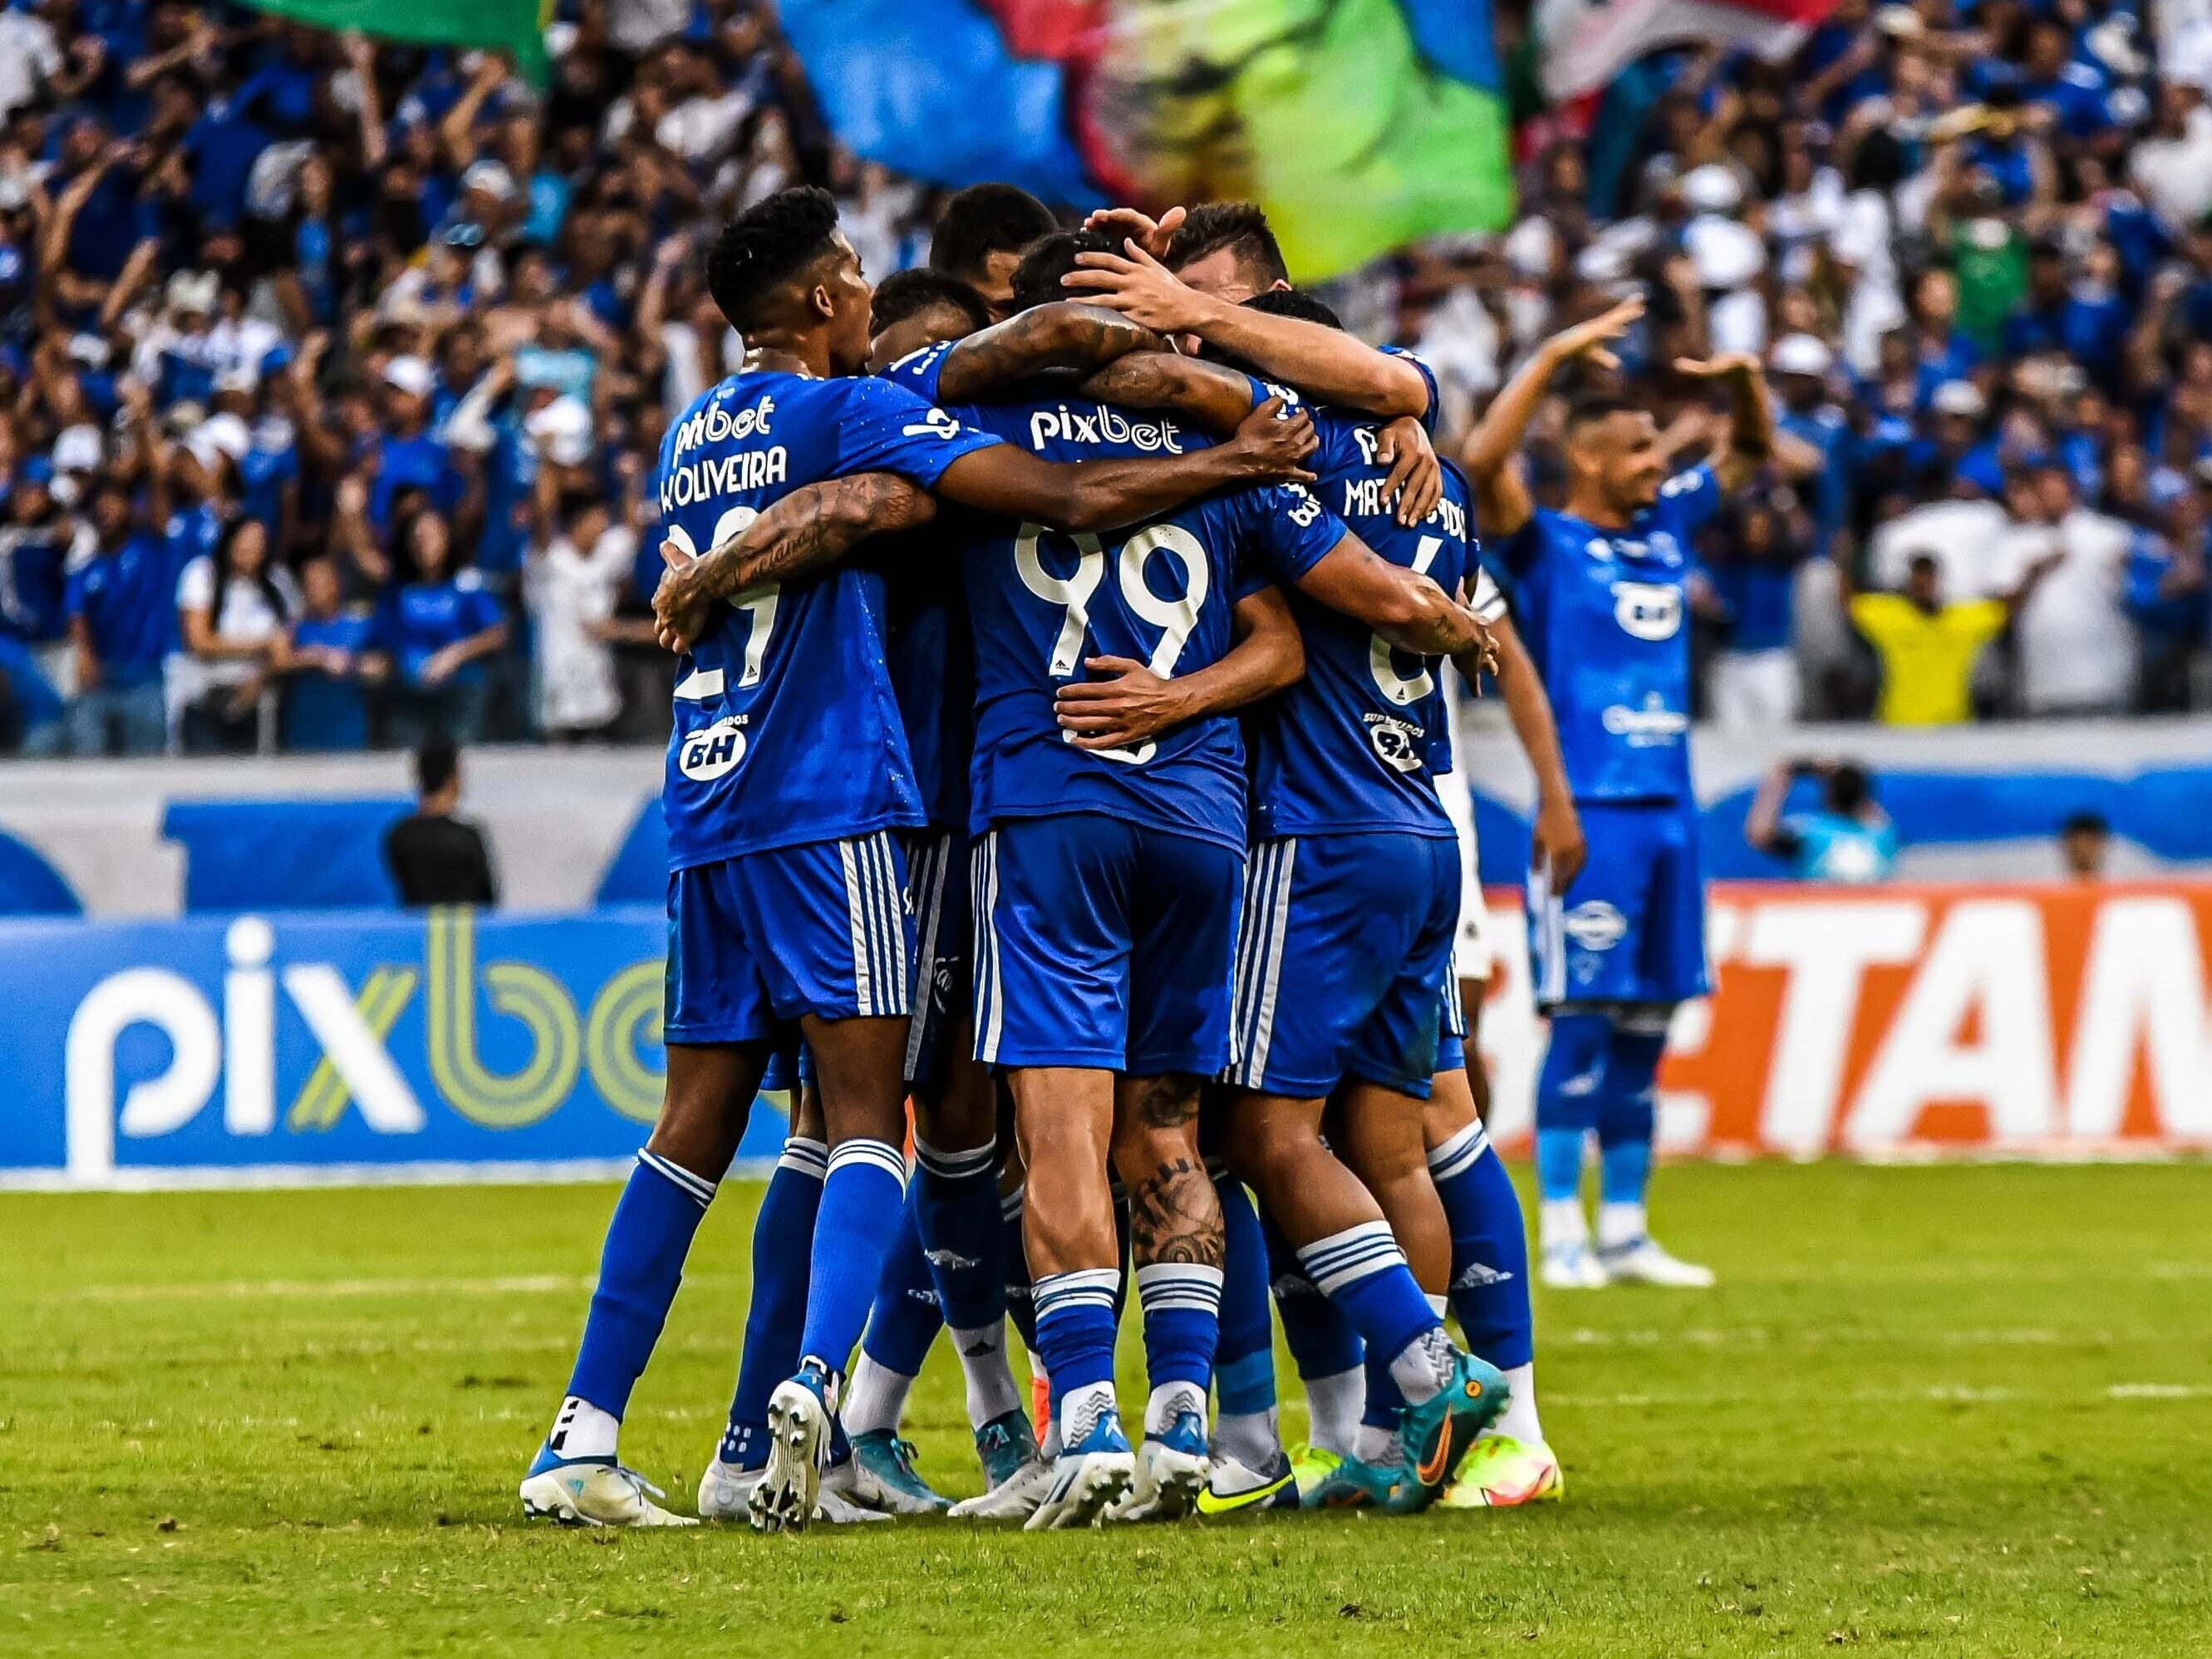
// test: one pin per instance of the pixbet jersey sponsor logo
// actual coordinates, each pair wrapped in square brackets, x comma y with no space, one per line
[1102,425]
[716,424]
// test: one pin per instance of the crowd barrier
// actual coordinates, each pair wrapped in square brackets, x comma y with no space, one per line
[2000,1019]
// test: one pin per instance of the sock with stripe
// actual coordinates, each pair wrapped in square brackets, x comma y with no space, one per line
[1321,1341]
[1182,1306]
[783,1239]
[956,1197]
[902,1325]
[1245,1426]
[1567,1097]
[1490,1249]
[863,1198]
[1362,1272]
[641,1264]
[1626,1118]
[1075,1336]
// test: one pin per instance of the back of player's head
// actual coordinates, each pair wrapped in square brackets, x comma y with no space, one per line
[758,257]
[1290,302]
[1036,279]
[984,220]
[1848,787]
[909,292]
[1240,227]
[437,762]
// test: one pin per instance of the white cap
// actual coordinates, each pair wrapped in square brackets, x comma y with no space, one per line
[1726,254]
[79,449]
[1899,22]
[489,177]
[1601,262]
[194,291]
[410,375]
[1802,354]
[1712,188]
[219,434]
[1959,397]
[562,432]
[237,380]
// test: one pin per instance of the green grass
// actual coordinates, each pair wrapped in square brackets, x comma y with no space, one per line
[1944,1411]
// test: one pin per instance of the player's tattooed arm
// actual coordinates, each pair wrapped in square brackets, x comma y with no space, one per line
[1502,504]
[1069,335]
[809,530]
[1102,494]
[1324,362]
[1750,438]
[1213,398]
[1404,606]
[1134,704]
[1556,836]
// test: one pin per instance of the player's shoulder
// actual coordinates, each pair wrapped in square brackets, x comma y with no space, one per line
[918,370]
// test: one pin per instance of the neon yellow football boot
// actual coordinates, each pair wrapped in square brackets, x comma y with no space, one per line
[1502,1473]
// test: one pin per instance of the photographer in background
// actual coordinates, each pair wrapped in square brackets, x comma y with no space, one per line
[1847,839]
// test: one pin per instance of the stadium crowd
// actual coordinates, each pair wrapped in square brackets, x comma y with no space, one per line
[331,372]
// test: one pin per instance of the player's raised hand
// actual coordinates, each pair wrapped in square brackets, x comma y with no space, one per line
[1727,364]
[1589,340]
[1119,713]
[1140,287]
[1273,444]
[1151,235]
[1416,481]
[679,614]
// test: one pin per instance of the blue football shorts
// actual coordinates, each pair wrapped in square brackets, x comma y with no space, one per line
[1633,929]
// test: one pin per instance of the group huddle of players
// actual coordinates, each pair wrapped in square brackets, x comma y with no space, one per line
[1062,704]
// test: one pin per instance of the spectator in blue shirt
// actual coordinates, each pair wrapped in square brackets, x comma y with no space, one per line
[122,610]
[332,664]
[438,625]
[406,454]
[1847,838]
[1747,581]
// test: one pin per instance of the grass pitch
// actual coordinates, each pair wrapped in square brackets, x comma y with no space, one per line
[1951,1411]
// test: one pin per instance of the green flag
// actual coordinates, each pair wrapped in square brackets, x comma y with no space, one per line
[514,26]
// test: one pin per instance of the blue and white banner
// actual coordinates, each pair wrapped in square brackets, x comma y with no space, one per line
[349,1045]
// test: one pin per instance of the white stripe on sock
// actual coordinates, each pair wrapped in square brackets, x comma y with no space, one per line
[1346,1258]
[952,1165]
[697,1187]
[881,1154]
[1093,1287]
[1165,1286]
[1459,1153]
[806,1157]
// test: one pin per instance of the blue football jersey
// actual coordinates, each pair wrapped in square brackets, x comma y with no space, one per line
[933,667]
[786,730]
[1604,615]
[1347,749]
[1041,601]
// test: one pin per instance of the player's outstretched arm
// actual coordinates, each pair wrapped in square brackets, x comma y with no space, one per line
[1402,605]
[1213,398]
[807,530]
[1750,438]
[1103,494]
[1326,363]
[1557,834]
[1502,504]
[1069,334]
[1136,704]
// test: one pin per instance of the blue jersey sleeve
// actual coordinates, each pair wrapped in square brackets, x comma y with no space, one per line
[882,426]
[480,606]
[1428,379]
[1690,500]
[919,369]
[1290,532]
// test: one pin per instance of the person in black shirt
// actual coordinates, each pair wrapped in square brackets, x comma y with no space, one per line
[435,858]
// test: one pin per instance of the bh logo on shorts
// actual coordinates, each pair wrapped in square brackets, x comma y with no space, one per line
[1594,925]
[712,751]
[1648,611]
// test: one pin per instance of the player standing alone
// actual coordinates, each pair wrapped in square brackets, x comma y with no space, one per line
[1599,590]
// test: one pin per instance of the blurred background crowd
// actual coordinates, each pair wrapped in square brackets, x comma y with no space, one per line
[331,372]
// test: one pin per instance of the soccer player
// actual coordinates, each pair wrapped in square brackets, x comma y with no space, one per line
[979,239]
[787,775]
[1351,908]
[1600,586]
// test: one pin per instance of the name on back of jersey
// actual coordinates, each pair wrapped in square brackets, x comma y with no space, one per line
[707,480]
[1099,423]
[1363,497]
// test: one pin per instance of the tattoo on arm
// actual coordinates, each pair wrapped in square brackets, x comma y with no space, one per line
[813,527]
[1068,334]
[1210,397]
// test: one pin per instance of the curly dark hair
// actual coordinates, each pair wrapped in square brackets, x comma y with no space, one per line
[1036,279]
[984,220]
[756,254]
[907,293]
